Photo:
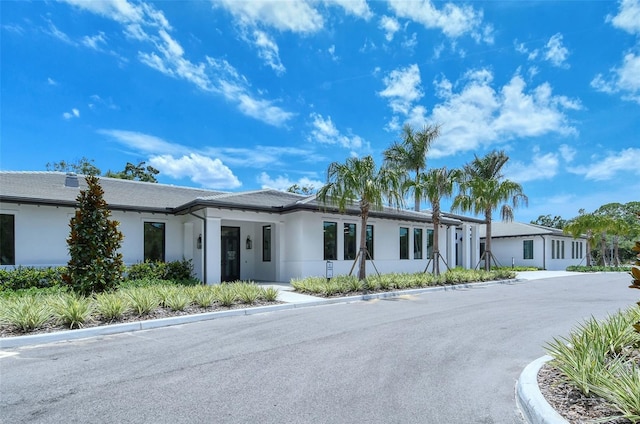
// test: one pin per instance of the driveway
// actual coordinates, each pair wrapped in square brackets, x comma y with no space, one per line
[440,357]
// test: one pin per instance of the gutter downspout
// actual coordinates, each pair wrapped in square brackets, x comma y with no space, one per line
[204,246]
[544,252]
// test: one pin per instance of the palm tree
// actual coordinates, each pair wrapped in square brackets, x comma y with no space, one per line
[410,155]
[482,190]
[584,224]
[360,181]
[434,185]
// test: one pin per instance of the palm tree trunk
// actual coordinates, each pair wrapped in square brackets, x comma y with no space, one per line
[589,238]
[362,272]
[487,241]
[616,251]
[436,237]
[417,198]
[603,248]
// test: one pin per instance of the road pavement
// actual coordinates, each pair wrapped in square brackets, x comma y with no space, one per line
[439,357]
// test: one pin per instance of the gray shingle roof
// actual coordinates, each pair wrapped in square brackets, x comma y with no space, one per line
[517,229]
[49,188]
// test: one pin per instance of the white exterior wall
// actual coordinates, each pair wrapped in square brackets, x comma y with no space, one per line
[297,244]
[506,249]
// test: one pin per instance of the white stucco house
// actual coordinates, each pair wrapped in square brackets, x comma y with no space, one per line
[263,235]
[519,244]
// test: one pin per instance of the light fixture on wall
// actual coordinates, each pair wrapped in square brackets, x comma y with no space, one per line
[249,243]
[199,242]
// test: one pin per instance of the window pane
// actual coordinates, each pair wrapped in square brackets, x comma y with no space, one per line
[7,240]
[330,241]
[154,241]
[553,249]
[369,241]
[528,249]
[266,243]
[417,243]
[562,249]
[429,244]
[404,243]
[349,241]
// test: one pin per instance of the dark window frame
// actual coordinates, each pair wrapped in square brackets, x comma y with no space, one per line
[527,249]
[350,241]
[370,240]
[266,243]
[7,239]
[330,240]
[404,243]
[417,243]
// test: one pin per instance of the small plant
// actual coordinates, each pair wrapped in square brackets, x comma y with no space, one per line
[226,295]
[111,306]
[177,300]
[143,300]
[203,296]
[27,313]
[635,274]
[72,310]
[248,293]
[270,294]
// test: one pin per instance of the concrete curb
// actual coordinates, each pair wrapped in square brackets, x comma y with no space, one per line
[83,333]
[533,406]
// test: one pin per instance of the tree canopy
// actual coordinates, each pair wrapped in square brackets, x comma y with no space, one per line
[85,166]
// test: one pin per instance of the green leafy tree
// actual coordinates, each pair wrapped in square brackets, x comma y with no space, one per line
[434,185]
[306,190]
[82,166]
[360,181]
[410,155]
[138,172]
[483,189]
[585,224]
[94,241]
[551,222]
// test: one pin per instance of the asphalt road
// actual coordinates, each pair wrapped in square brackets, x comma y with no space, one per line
[440,357]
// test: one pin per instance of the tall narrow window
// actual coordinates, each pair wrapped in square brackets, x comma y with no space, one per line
[154,241]
[573,250]
[330,241]
[553,249]
[404,243]
[527,247]
[266,243]
[429,244]
[369,241]
[7,239]
[417,243]
[349,241]
[562,249]
[581,255]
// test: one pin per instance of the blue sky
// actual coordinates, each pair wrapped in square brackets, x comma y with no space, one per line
[241,95]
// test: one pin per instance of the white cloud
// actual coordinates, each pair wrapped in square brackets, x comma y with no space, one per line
[51,81]
[541,167]
[55,32]
[390,26]
[297,17]
[625,161]
[555,52]
[479,114]
[410,43]
[325,132]
[282,182]
[567,152]
[402,88]
[332,53]
[452,19]
[95,41]
[628,17]
[624,79]
[205,171]
[75,113]
[144,143]
[358,8]
[268,51]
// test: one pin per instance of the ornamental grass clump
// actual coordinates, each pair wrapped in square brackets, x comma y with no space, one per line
[203,296]
[27,313]
[177,299]
[248,293]
[270,294]
[111,306]
[72,310]
[226,295]
[143,299]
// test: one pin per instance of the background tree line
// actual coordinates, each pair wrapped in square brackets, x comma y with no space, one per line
[85,166]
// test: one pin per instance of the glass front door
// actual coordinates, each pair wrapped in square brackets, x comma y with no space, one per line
[230,250]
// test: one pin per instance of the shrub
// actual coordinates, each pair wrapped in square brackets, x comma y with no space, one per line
[226,295]
[180,272]
[71,309]
[203,296]
[21,278]
[27,313]
[94,241]
[111,306]
[270,294]
[248,293]
[143,299]
[597,268]
[177,300]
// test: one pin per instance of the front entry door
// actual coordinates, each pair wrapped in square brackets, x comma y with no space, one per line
[230,250]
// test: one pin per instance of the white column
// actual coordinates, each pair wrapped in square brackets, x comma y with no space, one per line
[187,240]
[451,247]
[279,251]
[212,240]
[466,246]
[475,245]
